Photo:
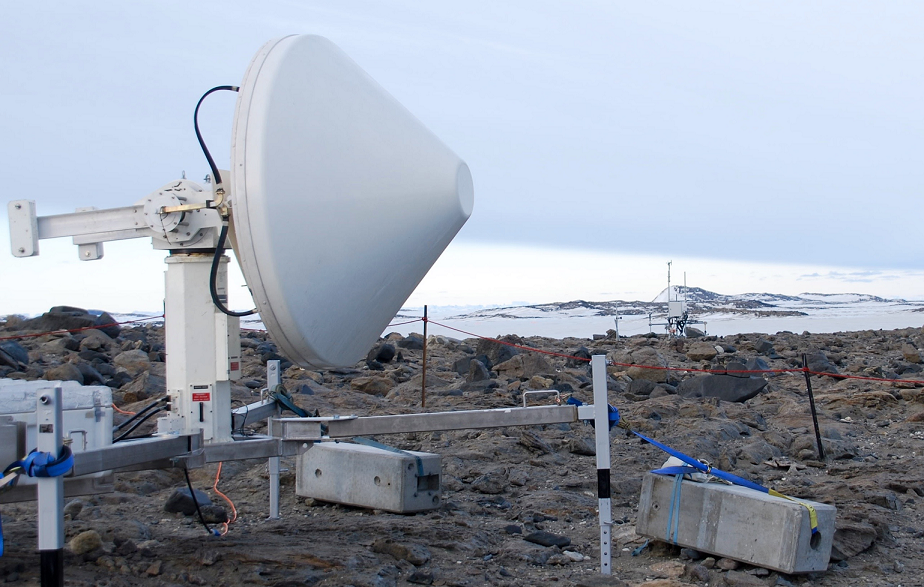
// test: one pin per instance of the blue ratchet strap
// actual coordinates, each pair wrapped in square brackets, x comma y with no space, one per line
[613,412]
[673,521]
[281,395]
[813,516]
[374,444]
[43,464]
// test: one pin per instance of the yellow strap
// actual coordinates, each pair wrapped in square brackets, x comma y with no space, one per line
[813,515]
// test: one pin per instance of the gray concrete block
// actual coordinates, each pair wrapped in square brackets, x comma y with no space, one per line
[738,523]
[369,477]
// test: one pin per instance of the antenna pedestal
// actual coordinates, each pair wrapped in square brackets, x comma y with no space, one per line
[203,349]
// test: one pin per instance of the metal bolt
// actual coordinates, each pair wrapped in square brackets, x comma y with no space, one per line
[86,253]
[45,399]
[18,206]
[22,249]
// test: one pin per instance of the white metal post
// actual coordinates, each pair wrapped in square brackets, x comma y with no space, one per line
[49,423]
[198,362]
[273,378]
[602,436]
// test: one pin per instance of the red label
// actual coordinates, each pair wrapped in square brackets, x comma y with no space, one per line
[201,397]
[235,366]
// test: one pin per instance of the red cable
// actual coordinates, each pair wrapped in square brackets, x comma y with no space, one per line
[80,329]
[408,322]
[226,498]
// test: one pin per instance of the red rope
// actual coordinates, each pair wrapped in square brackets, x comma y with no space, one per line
[692,370]
[408,322]
[80,329]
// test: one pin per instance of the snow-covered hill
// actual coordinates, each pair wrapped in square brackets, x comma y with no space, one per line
[722,314]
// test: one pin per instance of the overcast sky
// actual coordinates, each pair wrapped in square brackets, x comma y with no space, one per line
[755,134]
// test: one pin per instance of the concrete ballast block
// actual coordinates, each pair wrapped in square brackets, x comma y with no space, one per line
[738,523]
[371,477]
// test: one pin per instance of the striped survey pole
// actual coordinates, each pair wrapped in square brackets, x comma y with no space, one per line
[602,435]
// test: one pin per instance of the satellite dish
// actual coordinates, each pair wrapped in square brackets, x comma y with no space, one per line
[341,199]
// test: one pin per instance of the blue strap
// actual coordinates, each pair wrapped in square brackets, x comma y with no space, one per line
[374,444]
[44,464]
[281,395]
[613,413]
[673,521]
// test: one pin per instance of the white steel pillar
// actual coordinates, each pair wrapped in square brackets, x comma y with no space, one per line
[203,349]
[49,424]
[602,436]
[273,378]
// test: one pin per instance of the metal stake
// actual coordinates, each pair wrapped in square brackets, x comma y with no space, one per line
[808,385]
[423,381]
[273,378]
[602,437]
[48,419]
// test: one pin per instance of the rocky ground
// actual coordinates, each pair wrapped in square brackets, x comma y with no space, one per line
[502,485]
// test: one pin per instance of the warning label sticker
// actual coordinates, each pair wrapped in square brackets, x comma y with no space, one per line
[201,397]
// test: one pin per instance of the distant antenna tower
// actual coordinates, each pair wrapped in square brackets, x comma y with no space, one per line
[678,316]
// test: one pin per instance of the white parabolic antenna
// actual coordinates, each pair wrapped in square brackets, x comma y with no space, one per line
[341,199]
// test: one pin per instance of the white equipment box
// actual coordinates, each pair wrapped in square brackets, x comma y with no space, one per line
[737,522]
[366,476]
[87,423]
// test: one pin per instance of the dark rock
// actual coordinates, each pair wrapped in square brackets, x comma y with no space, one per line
[91,355]
[851,538]
[756,364]
[144,386]
[375,366]
[491,483]
[477,372]
[641,387]
[305,389]
[214,514]
[412,342]
[421,577]
[513,529]
[578,358]
[724,387]
[581,446]
[764,347]
[383,353]
[13,354]
[106,323]
[734,369]
[819,363]
[61,318]
[416,554]
[543,538]
[181,502]
[253,384]
[532,441]
[65,372]
[692,332]
[90,375]
[496,351]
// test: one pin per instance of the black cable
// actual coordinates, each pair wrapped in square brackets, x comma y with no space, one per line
[192,494]
[138,414]
[139,423]
[205,149]
[213,275]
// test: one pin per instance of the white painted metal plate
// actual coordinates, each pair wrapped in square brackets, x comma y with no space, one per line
[341,199]
[23,228]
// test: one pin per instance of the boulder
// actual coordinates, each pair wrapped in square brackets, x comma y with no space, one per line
[734,369]
[647,357]
[851,538]
[12,354]
[911,354]
[144,386]
[85,542]
[477,372]
[383,352]
[106,324]
[692,332]
[641,387]
[65,372]
[181,501]
[61,318]
[579,358]
[90,375]
[95,340]
[724,387]
[132,362]
[498,352]
[819,363]
[524,366]
[60,345]
[764,347]
[756,364]
[701,351]
[462,366]
[372,385]
[412,342]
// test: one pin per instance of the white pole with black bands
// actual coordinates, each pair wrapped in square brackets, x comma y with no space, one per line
[602,435]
